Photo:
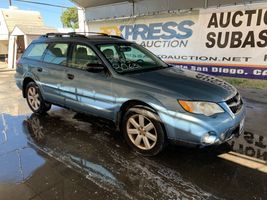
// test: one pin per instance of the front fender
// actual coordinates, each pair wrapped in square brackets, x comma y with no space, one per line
[163,113]
[148,99]
[165,108]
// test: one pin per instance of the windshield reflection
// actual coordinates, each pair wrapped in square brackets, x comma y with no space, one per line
[130,58]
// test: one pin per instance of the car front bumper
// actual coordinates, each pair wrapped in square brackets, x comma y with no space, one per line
[201,130]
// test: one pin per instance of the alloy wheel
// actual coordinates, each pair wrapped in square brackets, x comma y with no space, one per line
[34,98]
[142,132]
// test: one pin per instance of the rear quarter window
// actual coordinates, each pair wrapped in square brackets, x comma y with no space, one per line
[35,51]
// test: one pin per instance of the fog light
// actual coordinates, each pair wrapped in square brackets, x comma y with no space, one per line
[208,139]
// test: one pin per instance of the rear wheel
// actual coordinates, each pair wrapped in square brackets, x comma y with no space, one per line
[35,99]
[143,131]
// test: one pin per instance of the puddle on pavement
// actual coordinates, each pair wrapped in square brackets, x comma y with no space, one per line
[92,149]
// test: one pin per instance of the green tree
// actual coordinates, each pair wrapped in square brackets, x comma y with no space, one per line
[69,18]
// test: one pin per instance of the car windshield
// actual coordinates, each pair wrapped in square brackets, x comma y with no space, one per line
[130,58]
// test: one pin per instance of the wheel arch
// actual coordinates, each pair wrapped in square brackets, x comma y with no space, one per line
[26,81]
[138,104]
[131,103]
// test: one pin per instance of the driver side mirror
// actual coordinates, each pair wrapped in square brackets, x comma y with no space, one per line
[95,67]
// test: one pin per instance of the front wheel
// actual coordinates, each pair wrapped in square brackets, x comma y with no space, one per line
[143,131]
[35,99]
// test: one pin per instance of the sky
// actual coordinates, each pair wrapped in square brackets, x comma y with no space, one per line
[51,15]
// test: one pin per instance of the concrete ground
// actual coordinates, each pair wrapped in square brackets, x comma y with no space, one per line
[3,67]
[66,155]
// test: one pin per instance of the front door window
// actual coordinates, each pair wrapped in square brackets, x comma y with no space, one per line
[82,56]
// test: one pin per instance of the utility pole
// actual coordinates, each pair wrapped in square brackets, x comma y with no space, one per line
[10,2]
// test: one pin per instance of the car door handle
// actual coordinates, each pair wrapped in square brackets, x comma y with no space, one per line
[70,76]
[39,69]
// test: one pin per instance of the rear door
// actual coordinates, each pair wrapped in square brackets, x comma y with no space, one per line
[32,61]
[55,61]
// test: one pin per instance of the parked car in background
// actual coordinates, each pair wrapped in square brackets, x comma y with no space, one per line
[150,101]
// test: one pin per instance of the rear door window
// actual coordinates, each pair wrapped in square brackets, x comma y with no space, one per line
[35,51]
[57,53]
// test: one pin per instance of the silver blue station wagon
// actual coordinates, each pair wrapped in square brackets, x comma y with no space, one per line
[151,103]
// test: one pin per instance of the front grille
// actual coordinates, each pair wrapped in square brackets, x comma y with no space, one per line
[235,103]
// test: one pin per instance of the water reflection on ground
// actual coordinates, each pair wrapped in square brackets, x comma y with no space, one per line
[69,155]
[251,145]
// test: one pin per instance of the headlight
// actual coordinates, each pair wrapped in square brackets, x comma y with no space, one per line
[200,107]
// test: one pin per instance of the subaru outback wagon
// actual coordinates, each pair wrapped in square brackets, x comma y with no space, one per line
[151,102]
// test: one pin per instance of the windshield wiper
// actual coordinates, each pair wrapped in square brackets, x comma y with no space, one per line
[169,65]
[144,70]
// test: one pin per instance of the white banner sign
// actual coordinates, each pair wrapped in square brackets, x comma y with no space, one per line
[229,41]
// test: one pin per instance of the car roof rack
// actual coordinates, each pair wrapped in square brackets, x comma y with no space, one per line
[80,34]
[90,33]
[63,35]
[99,33]
[116,36]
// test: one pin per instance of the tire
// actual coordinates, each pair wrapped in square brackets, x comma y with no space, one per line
[143,131]
[35,100]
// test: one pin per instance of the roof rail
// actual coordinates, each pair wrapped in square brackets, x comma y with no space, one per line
[63,35]
[99,33]
[116,36]
[92,33]
[80,34]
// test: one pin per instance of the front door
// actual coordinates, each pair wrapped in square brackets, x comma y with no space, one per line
[88,91]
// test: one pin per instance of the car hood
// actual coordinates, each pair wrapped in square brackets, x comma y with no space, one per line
[186,84]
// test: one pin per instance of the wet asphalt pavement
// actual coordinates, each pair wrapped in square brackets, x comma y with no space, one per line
[66,155]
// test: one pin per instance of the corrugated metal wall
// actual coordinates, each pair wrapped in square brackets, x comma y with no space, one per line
[145,7]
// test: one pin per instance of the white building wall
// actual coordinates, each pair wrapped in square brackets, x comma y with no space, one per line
[12,50]
[3,28]
[82,20]
[3,35]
